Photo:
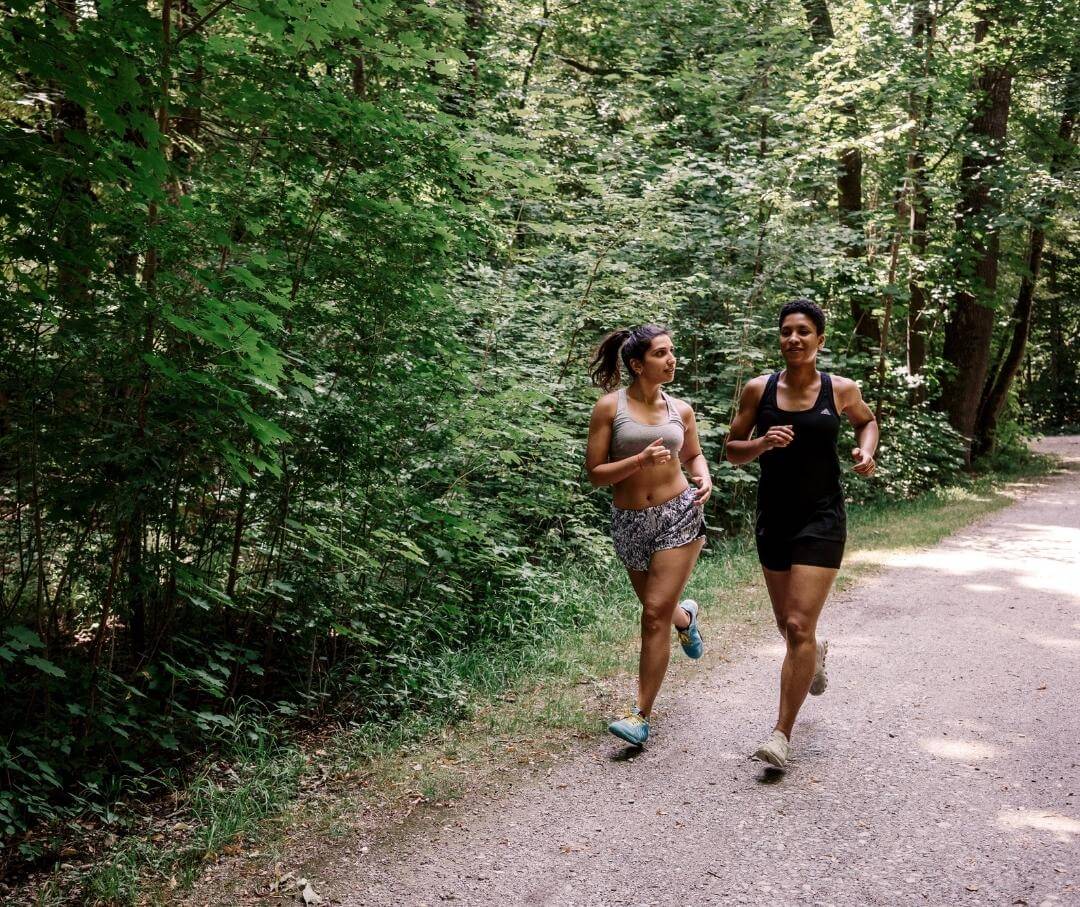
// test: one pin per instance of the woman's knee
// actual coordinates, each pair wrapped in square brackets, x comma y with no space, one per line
[656,615]
[797,629]
[781,622]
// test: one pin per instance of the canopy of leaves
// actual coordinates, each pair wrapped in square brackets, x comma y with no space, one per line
[299,297]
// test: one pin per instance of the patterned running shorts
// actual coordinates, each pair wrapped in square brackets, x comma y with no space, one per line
[637,534]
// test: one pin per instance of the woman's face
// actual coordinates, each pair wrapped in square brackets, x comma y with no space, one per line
[799,339]
[658,364]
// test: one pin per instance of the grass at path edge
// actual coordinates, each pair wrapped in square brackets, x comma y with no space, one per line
[525,710]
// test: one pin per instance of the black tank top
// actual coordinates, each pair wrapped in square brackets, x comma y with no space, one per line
[799,492]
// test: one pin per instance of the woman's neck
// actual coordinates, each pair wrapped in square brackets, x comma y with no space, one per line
[801,375]
[644,391]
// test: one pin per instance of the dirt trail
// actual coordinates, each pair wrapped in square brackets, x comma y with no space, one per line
[940,767]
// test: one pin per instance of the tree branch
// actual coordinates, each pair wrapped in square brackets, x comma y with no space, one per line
[593,70]
[195,26]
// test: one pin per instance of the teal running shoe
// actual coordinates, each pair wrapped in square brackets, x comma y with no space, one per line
[691,636]
[634,728]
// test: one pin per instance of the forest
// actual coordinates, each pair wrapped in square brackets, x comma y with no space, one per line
[299,298]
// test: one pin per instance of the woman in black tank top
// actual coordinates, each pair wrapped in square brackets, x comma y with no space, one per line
[801,525]
[799,493]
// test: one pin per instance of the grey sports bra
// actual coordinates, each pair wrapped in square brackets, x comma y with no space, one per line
[629,437]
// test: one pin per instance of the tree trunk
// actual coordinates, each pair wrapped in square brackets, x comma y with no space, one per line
[969,330]
[848,177]
[359,76]
[136,579]
[189,120]
[476,19]
[76,194]
[887,303]
[998,390]
[919,111]
[530,66]
[1057,339]
[819,21]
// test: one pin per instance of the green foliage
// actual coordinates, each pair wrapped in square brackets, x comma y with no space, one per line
[1048,396]
[298,300]
[920,452]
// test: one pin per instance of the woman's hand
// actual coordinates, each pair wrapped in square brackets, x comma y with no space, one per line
[864,461]
[778,436]
[655,454]
[704,489]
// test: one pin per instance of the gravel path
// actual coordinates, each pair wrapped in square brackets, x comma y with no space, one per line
[939,768]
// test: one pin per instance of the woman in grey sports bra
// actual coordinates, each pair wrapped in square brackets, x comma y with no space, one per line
[640,439]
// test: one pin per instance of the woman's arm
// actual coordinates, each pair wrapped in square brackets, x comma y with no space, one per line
[601,472]
[866,428]
[693,460]
[739,449]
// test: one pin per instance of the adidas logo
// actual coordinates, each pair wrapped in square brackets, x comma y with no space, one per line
[825,412]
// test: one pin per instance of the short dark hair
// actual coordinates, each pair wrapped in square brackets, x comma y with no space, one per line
[804,306]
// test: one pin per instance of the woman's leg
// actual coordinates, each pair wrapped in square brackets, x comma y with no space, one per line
[807,589]
[638,578]
[667,576]
[777,582]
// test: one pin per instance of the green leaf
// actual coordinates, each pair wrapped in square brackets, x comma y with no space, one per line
[263,429]
[44,665]
[23,638]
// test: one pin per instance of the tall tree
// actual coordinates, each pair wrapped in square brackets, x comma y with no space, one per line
[919,111]
[997,388]
[849,193]
[971,323]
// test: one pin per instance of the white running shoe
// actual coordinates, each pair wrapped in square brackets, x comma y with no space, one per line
[775,750]
[821,678]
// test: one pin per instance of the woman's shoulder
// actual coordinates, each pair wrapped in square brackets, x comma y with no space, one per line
[846,391]
[841,384]
[684,409]
[608,403]
[755,387]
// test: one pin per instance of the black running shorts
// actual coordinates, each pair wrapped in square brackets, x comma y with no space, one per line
[779,553]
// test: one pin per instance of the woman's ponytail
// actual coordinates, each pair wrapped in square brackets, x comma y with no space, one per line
[604,369]
[625,343]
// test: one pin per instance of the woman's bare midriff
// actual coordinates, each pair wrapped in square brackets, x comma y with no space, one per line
[650,487]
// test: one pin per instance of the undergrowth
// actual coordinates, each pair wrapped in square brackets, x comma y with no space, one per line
[512,692]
